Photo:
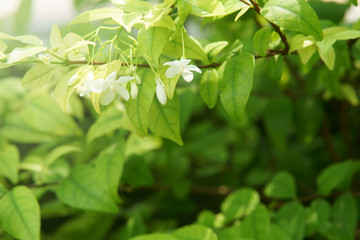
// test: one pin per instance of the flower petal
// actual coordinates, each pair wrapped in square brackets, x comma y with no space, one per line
[187,75]
[123,79]
[193,68]
[72,80]
[106,97]
[172,63]
[184,62]
[111,77]
[90,77]
[122,92]
[84,93]
[161,94]
[133,90]
[97,86]
[172,71]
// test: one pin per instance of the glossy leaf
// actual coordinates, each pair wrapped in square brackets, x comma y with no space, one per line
[206,8]
[19,54]
[82,189]
[239,77]
[138,109]
[20,214]
[107,122]
[240,203]
[164,120]
[282,186]
[152,43]
[208,87]
[295,15]
[9,162]
[195,232]
[335,176]
[291,217]
[261,40]
[38,75]
[96,14]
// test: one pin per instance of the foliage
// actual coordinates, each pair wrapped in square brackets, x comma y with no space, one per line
[184,119]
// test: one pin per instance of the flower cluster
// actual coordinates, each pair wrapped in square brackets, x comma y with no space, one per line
[177,67]
[108,88]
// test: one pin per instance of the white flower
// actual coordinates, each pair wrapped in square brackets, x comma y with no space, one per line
[89,79]
[160,91]
[73,79]
[109,86]
[181,67]
[133,90]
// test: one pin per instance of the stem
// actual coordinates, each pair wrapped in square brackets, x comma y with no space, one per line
[182,40]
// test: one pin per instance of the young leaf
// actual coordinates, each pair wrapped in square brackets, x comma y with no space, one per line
[9,162]
[282,186]
[336,176]
[20,214]
[56,153]
[206,8]
[28,39]
[132,5]
[208,87]
[96,14]
[261,40]
[238,76]
[327,54]
[318,215]
[19,54]
[295,15]
[22,17]
[152,43]
[195,232]
[164,121]
[291,217]
[256,225]
[344,214]
[82,189]
[240,203]
[108,121]
[38,75]
[138,109]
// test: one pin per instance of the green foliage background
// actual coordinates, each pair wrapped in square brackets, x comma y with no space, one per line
[264,144]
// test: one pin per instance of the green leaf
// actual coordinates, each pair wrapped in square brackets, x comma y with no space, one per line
[20,214]
[195,232]
[213,49]
[206,218]
[231,6]
[164,121]
[256,225]
[277,233]
[109,167]
[107,122]
[327,54]
[152,43]
[239,77]
[193,50]
[282,186]
[261,40]
[9,162]
[128,20]
[344,214]
[56,153]
[206,8]
[336,176]
[83,189]
[38,75]
[354,2]
[138,109]
[55,38]
[349,93]
[96,14]
[208,87]
[28,39]
[295,15]
[291,217]
[132,5]
[19,54]
[318,215]
[137,173]
[240,203]
[154,236]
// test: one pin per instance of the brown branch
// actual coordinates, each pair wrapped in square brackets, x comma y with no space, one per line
[284,51]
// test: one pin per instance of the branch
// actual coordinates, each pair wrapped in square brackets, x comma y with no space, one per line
[284,51]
